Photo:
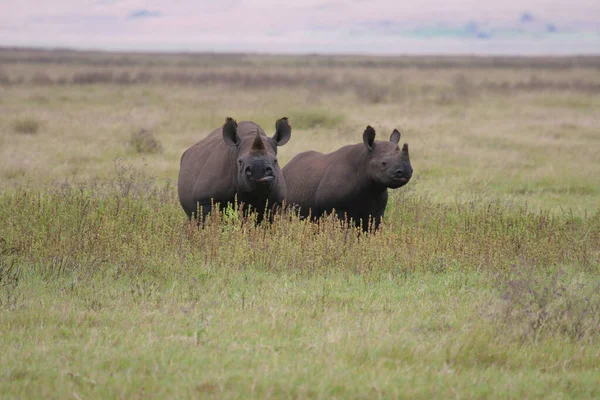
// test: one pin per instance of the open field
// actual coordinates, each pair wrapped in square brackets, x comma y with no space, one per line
[484,281]
[526,134]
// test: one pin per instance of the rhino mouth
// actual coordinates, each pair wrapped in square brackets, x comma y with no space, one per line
[399,181]
[265,180]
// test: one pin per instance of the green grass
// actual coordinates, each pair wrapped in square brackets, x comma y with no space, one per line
[107,291]
[252,333]
[311,119]
[483,283]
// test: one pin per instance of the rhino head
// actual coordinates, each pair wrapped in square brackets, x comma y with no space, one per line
[387,165]
[257,168]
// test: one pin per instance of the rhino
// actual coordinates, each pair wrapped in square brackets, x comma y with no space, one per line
[352,180]
[235,163]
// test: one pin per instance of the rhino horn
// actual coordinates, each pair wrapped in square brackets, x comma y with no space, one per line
[258,143]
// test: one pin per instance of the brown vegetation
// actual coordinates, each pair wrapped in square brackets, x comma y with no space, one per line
[145,142]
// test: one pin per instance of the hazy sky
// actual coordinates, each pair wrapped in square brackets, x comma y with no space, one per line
[372,26]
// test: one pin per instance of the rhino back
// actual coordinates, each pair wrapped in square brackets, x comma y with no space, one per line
[346,188]
[302,176]
[319,181]
[342,181]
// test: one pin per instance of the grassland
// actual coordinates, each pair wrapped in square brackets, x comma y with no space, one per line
[483,283]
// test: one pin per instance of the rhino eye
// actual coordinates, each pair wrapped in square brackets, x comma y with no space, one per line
[383,163]
[275,161]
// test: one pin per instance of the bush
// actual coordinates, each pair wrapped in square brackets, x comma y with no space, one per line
[26,125]
[534,305]
[41,78]
[144,142]
[92,77]
[370,92]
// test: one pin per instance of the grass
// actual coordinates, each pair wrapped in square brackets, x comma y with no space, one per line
[315,119]
[107,291]
[484,281]
[256,334]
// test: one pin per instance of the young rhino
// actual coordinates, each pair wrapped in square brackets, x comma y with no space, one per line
[233,162]
[353,180]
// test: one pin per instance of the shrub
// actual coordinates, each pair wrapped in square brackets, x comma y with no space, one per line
[10,274]
[92,77]
[26,125]
[4,78]
[41,78]
[536,305]
[144,142]
[370,92]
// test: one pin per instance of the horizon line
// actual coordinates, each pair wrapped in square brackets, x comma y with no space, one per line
[84,49]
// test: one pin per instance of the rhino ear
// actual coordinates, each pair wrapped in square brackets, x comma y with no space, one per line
[283,131]
[369,137]
[230,135]
[395,136]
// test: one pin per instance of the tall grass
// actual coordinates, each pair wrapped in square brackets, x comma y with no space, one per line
[136,226]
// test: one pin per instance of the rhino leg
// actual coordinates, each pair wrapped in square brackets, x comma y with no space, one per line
[204,207]
[371,223]
[275,208]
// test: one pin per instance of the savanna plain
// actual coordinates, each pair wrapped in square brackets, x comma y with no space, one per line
[484,281]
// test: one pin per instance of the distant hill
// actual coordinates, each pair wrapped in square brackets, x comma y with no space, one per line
[525,25]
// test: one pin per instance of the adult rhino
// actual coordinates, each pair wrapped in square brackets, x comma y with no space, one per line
[352,180]
[235,162]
